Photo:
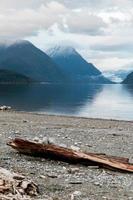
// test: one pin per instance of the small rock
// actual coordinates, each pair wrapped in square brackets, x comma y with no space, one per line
[44,140]
[36,139]
[104,197]
[75,182]
[79,143]
[52,176]
[64,168]
[73,170]
[25,121]
[97,184]
[75,148]
[114,134]
[88,145]
[63,145]
[75,194]
[51,140]
[17,132]
[42,176]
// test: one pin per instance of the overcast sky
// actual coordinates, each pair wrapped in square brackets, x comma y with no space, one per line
[101,30]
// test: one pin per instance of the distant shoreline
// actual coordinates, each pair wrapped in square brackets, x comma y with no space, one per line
[67,116]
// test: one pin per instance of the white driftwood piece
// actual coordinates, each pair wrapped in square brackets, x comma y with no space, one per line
[15,187]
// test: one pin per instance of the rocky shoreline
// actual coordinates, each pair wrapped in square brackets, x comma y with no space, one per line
[62,181]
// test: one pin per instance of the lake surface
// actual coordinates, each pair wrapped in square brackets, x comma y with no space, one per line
[97,101]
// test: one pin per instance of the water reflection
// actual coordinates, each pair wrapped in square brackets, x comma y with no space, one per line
[113,102]
[48,98]
[129,88]
[98,101]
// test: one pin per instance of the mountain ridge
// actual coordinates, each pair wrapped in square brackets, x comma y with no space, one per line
[59,64]
[26,59]
[73,64]
[128,79]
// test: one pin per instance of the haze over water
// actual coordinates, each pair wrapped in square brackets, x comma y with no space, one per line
[96,101]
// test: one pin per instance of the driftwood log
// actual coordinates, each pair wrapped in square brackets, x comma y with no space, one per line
[55,152]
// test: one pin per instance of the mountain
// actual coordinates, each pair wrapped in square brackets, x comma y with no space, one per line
[12,77]
[117,75]
[74,66]
[129,79]
[22,57]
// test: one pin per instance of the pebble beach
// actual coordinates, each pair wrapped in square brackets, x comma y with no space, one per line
[62,181]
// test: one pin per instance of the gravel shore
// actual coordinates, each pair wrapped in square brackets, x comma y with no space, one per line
[62,181]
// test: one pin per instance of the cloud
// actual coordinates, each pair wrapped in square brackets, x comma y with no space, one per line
[21,19]
[83,22]
[96,5]
[21,23]
[101,30]
[20,4]
[126,47]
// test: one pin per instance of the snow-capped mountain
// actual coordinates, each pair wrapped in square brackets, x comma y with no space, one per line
[61,50]
[74,66]
[62,64]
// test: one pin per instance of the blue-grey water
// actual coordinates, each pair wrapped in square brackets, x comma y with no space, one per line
[96,101]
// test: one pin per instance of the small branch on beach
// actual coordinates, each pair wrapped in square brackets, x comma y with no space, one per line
[55,152]
[15,186]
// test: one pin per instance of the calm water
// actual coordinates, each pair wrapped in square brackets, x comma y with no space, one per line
[97,101]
